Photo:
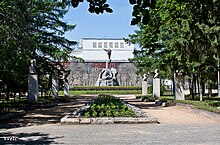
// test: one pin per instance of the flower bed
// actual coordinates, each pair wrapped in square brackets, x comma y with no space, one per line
[107,109]
[108,106]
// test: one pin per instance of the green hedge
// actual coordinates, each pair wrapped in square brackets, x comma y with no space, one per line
[95,92]
[105,88]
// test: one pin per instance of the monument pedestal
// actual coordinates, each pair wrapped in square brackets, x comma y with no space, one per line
[66,89]
[179,88]
[156,87]
[55,86]
[144,87]
[32,88]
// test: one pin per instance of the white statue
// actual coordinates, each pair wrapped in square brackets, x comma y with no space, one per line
[107,77]
[32,68]
[109,52]
[155,73]
[145,77]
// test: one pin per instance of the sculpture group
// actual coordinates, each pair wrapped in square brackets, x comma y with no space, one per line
[108,77]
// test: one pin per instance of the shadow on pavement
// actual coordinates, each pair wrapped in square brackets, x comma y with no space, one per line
[50,115]
[141,104]
[27,138]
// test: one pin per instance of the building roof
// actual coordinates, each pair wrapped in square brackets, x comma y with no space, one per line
[102,39]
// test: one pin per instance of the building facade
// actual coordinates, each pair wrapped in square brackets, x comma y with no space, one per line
[92,50]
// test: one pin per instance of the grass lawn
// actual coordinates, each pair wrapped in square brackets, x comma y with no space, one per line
[209,104]
[96,92]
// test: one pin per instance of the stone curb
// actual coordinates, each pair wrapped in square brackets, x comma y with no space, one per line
[201,112]
[108,120]
[141,117]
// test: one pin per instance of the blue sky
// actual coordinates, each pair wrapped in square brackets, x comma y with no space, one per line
[107,25]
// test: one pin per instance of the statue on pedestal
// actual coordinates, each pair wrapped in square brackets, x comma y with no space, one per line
[107,77]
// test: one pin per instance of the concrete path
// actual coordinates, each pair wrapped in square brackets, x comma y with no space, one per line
[178,126]
[170,115]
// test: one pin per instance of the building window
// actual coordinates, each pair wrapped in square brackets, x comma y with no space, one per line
[110,44]
[94,45]
[100,44]
[121,45]
[105,45]
[116,44]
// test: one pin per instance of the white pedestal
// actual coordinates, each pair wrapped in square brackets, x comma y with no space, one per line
[66,89]
[55,86]
[144,87]
[179,89]
[156,87]
[32,88]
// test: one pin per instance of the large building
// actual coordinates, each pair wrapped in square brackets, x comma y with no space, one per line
[92,50]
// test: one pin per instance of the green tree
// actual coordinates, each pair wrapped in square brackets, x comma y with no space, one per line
[31,29]
[189,36]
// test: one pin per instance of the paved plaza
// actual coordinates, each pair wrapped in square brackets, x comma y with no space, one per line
[177,126]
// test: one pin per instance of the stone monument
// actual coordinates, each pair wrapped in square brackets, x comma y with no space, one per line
[179,86]
[144,85]
[55,84]
[156,84]
[66,83]
[107,77]
[32,83]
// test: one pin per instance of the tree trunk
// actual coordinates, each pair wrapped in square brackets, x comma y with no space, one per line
[19,96]
[174,85]
[7,94]
[190,86]
[193,86]
[201,83]
[14,95]
[209,90]
[203,87]
[198,85]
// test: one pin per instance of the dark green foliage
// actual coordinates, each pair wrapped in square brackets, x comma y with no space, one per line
[95,6]
[141,10]
[108,106]
[180,36]
[31,29]
[214,103]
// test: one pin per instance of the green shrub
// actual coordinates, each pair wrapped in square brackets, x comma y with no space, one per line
[101,114]
[150,89]
[108,113]
[109,106]
[94,114]
[87,114]
[105,88]
[162,89]
[214,103]
[115,113]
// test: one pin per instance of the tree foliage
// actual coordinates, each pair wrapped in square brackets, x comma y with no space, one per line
[31,29]
[188,36]
[95,6]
